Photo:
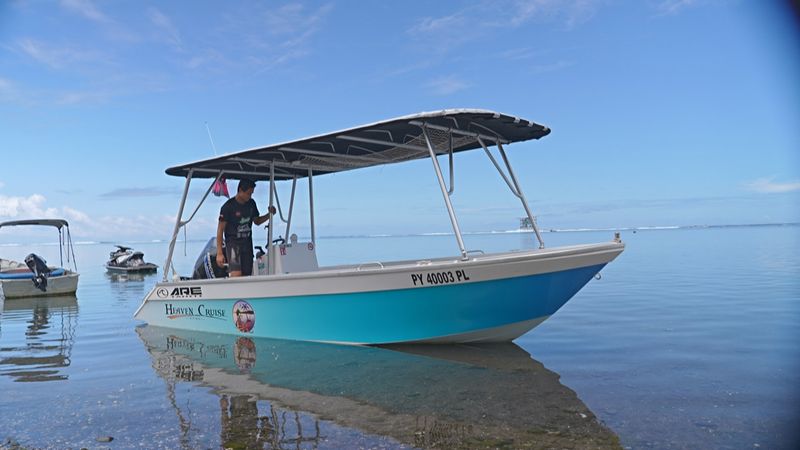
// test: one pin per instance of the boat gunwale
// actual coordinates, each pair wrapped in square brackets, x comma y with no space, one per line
[404,265]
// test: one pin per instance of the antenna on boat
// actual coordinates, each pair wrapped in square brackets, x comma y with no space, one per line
[214,147]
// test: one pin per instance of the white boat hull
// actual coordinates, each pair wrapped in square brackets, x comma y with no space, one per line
[22,288]
[142,268]
[488,298]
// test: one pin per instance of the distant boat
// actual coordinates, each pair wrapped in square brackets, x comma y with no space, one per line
[126,260]
[525,223]
[465,298]
[35,278]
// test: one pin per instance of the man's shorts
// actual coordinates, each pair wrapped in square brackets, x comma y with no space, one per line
[240,257]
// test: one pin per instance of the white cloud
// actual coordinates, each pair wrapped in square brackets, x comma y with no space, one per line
[246,39]
[7,89]
[2,185]
[83,97]
[293,19]
[87,9]
[11,92]
[556,66]
[75,215]
[516,54]
[447,85]
[94,77]
[112,28]
[165,25]
[675,6]
[25,207]
[85,225]
[56,57]
[476,20]
[768,186]
[251,39]
[435,25]
[265,38]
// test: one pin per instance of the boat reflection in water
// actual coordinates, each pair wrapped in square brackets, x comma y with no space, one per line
[124,277]
[38,335]
[424,396]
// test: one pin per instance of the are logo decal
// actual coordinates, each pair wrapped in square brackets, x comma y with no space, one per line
[181,292]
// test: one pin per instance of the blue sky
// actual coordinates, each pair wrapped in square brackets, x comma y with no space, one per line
[664,112]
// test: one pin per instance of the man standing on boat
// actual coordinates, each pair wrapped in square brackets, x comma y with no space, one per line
[236,218]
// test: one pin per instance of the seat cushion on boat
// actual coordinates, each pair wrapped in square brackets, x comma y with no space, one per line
[22,274]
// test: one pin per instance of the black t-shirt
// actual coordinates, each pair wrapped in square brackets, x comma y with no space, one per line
[238,219]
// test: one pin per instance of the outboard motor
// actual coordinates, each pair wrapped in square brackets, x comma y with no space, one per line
[206,265]
[261,261]
[38,266]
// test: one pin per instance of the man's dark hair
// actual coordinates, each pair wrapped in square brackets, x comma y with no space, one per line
[245,184]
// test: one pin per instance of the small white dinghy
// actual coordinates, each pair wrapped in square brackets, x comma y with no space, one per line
[35,278]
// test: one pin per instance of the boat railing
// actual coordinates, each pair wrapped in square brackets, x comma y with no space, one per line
[430,137]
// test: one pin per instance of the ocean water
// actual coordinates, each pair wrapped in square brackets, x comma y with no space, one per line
[689,340]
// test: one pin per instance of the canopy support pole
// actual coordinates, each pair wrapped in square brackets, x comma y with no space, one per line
[72,250]
[168,262]
[272,256]
[61,248]
[513,185]
[311,205]
[521,195]
[445,193]
[452,174]
[291,207]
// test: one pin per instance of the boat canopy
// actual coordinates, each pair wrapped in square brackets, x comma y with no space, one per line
[385,142]
[58,223]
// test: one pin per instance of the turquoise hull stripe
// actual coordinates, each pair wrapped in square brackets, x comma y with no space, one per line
[388,316]
[27,274]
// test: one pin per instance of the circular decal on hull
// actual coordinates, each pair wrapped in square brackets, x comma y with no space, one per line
[243,316]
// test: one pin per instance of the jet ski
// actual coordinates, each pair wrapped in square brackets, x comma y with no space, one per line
[126,260]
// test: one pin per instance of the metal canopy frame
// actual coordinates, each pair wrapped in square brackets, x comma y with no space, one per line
[397,140]
[64,237]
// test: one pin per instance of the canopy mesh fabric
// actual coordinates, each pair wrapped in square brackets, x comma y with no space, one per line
[386,142]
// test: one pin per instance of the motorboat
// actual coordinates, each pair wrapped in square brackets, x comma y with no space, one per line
[420,396]
[469,297]
[126,260]
[34,277]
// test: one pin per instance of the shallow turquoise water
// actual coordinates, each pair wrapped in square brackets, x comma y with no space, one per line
[689,340]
